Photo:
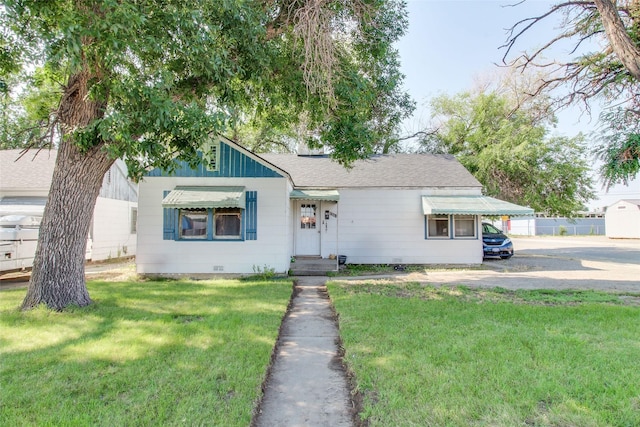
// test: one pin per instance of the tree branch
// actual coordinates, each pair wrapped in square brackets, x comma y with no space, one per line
[621,43]
[512,39]
[419,133]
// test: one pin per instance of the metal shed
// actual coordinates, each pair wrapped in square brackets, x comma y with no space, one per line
[622,219]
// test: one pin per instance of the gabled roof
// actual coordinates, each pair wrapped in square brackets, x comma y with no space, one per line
[31,172]
[235,162]
[389,170]
[635,202]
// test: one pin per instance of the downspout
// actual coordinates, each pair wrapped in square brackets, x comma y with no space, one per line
[338,235]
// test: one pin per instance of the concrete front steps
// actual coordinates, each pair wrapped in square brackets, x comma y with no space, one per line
[313,266]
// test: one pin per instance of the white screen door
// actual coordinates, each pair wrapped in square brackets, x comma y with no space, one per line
[308,229]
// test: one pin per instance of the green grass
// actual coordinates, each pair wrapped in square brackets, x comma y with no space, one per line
[372,269]
[425,356]
[145,353]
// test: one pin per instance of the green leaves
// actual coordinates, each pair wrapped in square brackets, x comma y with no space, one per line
[509,152]
[619,148]
[171,74]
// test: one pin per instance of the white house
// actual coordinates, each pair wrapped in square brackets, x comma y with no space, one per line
[622,219]
[239,211]
[24,187]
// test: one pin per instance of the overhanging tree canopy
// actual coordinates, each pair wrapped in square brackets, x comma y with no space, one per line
[510,152]
[151,80]
[611,72]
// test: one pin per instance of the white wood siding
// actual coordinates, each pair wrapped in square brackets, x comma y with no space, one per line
[329,229]
[116,185]
[387,226]
[290,219]
[112,237]
[271,249]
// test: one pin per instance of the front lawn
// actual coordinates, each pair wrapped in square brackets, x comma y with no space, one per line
[145,353]
[425,356]
[374,269]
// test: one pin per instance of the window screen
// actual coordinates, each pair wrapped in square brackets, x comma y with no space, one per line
[193,223]
[438,226]
[465,226]
[227,223]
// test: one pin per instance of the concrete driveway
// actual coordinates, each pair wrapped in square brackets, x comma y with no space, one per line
[586,248]
[550,263]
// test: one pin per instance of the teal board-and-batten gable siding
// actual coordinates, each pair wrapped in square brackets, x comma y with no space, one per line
[232,164]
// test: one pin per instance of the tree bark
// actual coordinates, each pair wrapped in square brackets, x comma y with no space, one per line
[621,43]
[57,277]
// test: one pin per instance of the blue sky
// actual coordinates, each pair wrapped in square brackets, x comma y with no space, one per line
[450,43]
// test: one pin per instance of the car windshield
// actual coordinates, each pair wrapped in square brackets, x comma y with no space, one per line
[490,229]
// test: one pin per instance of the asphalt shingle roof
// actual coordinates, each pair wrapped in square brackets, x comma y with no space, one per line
[390,170]
[30,172]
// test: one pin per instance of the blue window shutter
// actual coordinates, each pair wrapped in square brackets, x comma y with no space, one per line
[168,221]
[210,224]
[251,216]
[426,227]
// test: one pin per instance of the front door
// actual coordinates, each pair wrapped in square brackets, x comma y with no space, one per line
[308,228]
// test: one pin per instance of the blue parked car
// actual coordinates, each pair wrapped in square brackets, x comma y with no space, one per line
[495,243]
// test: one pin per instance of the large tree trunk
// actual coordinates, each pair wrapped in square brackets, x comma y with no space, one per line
[57,278]
[621,43]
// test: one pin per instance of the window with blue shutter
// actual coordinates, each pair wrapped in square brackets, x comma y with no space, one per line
[169,220]
[251,216]
[221,223]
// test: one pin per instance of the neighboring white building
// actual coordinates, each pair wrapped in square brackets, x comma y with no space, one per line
[239,212]
[623,219]
[24,187]
[607,196]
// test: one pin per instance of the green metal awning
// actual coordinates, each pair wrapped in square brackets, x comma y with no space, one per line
[205,197]
[329,195]
[471,205]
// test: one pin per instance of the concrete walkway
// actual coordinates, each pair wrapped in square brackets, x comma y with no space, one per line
[307,385]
